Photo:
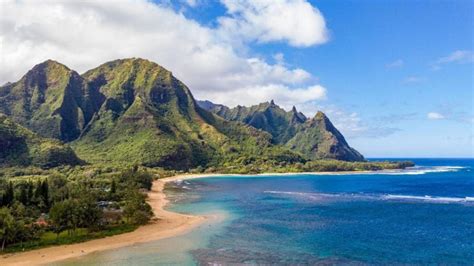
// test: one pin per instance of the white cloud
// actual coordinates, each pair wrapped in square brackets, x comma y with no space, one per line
[459,57]
[84,34]
[435,116]
[294,21]
[395,64]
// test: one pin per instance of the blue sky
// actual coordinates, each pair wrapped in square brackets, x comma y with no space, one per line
[396,77]
[380,62]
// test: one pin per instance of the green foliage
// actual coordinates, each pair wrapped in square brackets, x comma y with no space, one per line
[319,139]
[136,210]
[68,200]
[12,226]
[49,100]
[50,238]
[71,214]
[20,146]
[7,226]
[135,178]
[314,138]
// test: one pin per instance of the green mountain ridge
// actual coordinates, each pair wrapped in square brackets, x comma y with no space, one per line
[51,100]
[151,117]
[133,111]
[315,138]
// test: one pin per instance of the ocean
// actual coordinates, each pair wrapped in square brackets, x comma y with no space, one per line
[421,215]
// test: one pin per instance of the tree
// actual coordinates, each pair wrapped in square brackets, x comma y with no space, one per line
[7,226]
[41,195]
[9,194]
[61,215]
[136,178]
[89,214]
[23,194]
[71,214]
[30,193]
[57,188]
[136,210]
[45,193]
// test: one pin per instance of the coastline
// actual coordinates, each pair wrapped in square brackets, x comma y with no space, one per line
[165,224]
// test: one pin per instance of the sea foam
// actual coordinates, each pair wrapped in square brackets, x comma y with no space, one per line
[421,170]
[362,196]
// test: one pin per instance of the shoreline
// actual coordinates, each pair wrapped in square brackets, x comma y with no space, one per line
[164,224]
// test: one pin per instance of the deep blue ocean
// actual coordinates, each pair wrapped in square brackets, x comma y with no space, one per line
[422,215]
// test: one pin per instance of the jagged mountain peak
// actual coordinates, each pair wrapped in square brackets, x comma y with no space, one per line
[316,138]
[48,71]
[50,63]
[47,99]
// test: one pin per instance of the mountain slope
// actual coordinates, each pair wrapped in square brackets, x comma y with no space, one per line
[319,138]
[265,116]
[315,138]
[133,111]
[20,146]
[51,100]
[149,117]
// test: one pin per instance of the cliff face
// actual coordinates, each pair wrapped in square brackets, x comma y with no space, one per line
[50,99]
[315,138]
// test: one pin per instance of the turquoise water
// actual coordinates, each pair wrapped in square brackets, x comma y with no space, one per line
[423,215]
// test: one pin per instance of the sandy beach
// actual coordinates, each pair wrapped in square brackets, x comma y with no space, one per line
[165,224]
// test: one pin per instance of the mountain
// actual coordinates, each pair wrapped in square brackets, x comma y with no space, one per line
[21,147]
[266,116]
[318,138]
[132,111]
[51,100]
[150,117]
[315,138]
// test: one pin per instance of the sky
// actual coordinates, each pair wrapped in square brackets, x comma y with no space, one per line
[395,77]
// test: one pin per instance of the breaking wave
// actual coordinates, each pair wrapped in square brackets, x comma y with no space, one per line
[361,196]
[421,170]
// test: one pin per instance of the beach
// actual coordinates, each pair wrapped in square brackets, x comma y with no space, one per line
[164,224]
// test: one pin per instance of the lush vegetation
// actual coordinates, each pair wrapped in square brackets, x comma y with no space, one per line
[314,138]
[135,112]
[79,152]
[74,204]
[258,166]
[20,146]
